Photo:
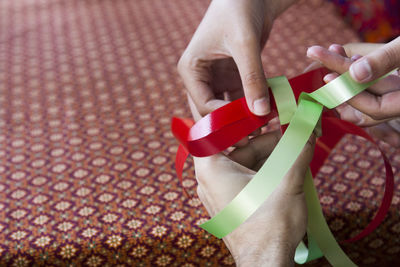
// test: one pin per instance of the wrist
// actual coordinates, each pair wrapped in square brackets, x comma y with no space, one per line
[275,253]
[272,248]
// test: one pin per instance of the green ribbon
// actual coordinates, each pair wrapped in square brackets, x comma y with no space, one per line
[339,90]
[271,173]
[303,120]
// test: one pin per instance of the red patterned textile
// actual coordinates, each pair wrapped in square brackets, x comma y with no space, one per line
[87,90]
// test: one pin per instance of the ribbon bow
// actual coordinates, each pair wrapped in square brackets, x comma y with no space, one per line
[229,124]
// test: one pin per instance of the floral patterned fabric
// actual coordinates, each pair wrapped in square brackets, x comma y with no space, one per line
[87,90]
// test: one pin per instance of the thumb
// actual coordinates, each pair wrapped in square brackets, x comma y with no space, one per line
[247,56]
[377,63]
[293,182]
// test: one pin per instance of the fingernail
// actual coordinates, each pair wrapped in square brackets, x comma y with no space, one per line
[334,46]
[311,52]
[261,106]
[329,77]
[361,70]
[355,57]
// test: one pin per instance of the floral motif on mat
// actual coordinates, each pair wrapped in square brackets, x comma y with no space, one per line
[87,90]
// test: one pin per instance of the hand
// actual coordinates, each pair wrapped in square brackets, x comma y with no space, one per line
[270,236]
[223,59]
[373,107]
[380,102]
[377,63]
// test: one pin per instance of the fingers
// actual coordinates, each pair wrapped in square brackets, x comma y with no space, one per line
[385,133]
[247,55]
[305,157]
[348,113]
[333,60]
[293,182]
[196,77]
[377,107]
[360,48]
[337,49]
[390,84]
[377,63]
[195,113]
[318,53]
[330,77]
[372,108]
[314,65]
[258,149]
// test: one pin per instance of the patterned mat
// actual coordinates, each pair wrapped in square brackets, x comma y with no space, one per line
[87,90]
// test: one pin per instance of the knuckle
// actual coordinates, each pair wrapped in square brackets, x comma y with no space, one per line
[182,64]
[244,41]
[245,38]
[253,78]
[190,63]
[203,110]
[187,60]
[377,115]
[389,57]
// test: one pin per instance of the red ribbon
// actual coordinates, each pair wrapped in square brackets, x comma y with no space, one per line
[227,125]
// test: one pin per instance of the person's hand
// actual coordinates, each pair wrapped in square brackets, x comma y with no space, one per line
[373,107]
[380,102]
[377,63]
[223,59]
[270,236]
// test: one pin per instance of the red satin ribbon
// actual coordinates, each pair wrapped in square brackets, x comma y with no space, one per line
[333,130]
[227,125]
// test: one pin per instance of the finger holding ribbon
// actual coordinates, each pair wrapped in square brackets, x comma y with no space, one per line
[377,106]
[379,102]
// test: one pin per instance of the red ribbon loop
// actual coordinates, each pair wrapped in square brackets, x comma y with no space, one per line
[227,125]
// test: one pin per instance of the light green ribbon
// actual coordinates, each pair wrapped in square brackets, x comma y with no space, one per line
[303,120]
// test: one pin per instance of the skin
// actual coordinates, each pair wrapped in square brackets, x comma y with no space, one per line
[378,62]
[270,236]
[380,102]
[223,60]
[381,98]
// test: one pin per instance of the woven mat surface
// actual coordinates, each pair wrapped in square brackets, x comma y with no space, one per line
[87,90]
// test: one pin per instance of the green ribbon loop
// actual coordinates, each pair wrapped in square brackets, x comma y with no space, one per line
[286,105]
[284,98]
[318,228]
[304,254]
[339,91]
[285,101]
[270,174]
[303,121]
